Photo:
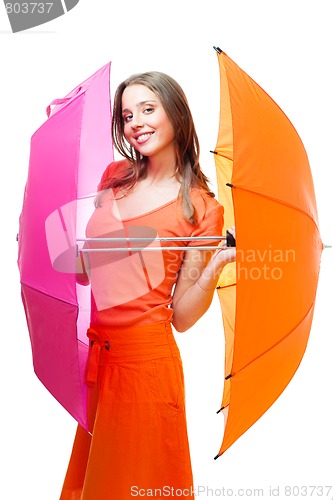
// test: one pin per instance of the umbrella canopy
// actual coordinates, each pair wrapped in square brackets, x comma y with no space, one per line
[268,295]
[68,155]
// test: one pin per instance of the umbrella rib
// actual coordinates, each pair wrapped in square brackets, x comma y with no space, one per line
[281,202]
[215,152]
[273,346]
[274,199]
[34,288]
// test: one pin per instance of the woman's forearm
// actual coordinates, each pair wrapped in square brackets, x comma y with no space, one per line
[193,304]
[81,275]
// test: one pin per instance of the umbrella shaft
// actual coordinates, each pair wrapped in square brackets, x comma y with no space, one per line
[190,238]
[140,249]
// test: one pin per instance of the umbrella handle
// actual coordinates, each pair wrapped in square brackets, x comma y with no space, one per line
[231,242]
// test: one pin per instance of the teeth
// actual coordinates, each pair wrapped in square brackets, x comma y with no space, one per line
[143,137]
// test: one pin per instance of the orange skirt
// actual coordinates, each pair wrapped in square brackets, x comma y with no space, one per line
[139,444]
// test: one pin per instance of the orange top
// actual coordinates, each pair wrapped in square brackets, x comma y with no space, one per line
[134,287]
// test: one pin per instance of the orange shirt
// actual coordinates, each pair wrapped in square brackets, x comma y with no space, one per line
[134,287]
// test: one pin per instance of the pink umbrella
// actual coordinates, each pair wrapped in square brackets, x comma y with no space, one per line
[69,153]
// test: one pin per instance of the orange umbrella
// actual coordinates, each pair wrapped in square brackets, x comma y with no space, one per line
[268,295]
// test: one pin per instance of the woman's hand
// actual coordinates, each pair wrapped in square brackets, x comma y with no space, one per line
[196,283]
[224,254]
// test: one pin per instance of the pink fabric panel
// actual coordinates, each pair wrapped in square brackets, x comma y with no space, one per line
[96,151]
[55,350]
[52,182]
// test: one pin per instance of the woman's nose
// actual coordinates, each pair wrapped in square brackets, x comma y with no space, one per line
[136,121]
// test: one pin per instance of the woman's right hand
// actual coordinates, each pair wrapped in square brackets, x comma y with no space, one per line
[224,254]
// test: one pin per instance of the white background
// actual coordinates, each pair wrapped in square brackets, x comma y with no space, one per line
[286,46]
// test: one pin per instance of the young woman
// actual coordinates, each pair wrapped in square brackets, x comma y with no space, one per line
[139,445]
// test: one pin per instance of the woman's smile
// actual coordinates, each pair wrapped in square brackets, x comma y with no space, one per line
[143,137]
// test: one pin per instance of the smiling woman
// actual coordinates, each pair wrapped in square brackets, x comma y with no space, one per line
[134,370]
[146,125]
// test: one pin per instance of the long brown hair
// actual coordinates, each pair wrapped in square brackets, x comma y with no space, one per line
[174,102]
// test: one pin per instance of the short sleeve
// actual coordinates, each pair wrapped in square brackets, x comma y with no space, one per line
[211,224]
[111,171]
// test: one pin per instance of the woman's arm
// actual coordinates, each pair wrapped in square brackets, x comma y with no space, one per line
[81,274]
[196,284]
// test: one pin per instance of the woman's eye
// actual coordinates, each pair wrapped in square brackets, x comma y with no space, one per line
[127,118]
[148,110]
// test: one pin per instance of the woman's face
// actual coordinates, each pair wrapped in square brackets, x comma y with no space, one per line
[146,125]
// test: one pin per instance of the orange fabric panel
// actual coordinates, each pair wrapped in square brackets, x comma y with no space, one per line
[255,388]
[277,273]
[269,157]
[227,297]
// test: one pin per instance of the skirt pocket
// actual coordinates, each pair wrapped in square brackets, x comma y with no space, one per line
[164,381]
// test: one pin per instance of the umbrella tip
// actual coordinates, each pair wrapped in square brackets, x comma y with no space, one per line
[217,456]
[222,408]
[218,50]
[327,246]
